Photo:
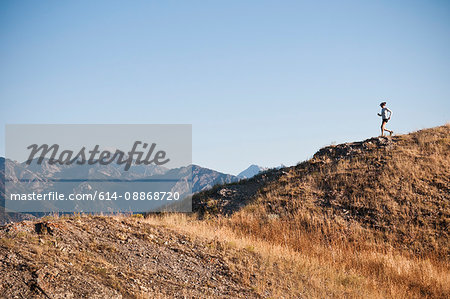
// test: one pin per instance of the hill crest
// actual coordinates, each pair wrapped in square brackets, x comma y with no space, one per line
[392,191]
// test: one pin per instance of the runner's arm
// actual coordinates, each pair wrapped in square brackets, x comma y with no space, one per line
[390,112]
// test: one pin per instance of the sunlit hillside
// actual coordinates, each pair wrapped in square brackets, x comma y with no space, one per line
[359,220]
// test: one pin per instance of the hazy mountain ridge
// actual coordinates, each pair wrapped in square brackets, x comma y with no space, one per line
[251,171]
[41,178]
[254,169]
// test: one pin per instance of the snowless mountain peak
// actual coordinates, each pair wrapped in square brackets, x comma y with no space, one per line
[251,171]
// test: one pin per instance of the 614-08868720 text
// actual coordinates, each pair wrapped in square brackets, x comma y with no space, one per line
[57,196]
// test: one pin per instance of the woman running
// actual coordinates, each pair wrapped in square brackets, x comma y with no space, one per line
[385,118]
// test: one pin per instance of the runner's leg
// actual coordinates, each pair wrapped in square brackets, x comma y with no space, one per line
[384,128]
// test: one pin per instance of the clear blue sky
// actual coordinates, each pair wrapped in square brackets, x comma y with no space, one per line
[264,82]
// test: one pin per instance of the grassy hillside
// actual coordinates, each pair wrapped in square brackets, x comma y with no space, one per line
[359,220]
[394,191]
[360,206]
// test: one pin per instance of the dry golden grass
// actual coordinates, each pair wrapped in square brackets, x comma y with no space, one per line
[283,272]
[322,271]
[372,224]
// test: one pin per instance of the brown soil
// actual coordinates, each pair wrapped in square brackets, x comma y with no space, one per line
[116,257]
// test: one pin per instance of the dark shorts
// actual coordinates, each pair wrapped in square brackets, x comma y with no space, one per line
[385,120]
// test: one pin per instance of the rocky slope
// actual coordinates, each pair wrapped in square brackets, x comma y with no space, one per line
[116,257]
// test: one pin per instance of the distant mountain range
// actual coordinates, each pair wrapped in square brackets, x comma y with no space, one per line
[40,174]
[41,177]
[45,177]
